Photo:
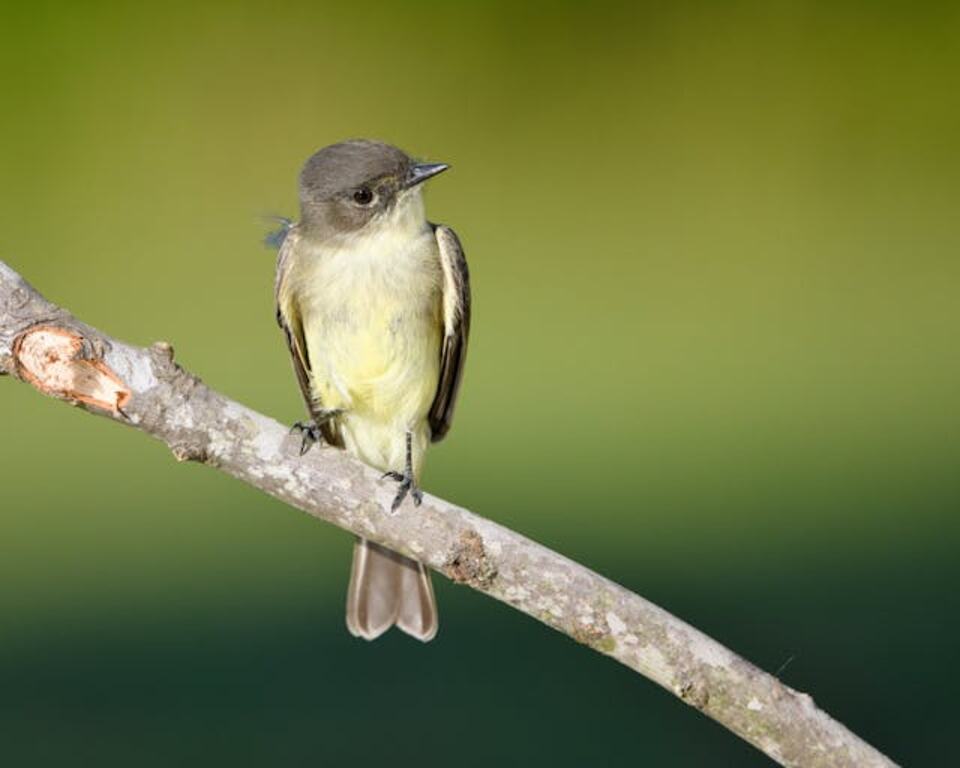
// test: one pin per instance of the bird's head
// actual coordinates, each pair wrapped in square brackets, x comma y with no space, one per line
[359,184]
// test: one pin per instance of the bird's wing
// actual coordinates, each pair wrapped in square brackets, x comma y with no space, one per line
[456,328]
[288,318]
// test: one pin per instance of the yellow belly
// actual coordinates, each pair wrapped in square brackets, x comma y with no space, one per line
[373,328]
[382,362]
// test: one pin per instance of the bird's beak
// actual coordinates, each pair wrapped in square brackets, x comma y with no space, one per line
[420,172]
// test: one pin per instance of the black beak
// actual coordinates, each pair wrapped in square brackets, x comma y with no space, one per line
[420,172]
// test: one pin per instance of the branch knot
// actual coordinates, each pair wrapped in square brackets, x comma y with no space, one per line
[470,563]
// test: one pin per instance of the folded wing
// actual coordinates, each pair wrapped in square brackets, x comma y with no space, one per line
[456,329]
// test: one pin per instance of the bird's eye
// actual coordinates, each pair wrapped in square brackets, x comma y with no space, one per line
[363,196]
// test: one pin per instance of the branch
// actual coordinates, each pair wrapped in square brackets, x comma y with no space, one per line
[46,347]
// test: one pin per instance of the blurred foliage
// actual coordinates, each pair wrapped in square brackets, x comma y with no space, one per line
[714,255]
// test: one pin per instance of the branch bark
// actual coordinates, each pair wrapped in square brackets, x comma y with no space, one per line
[58,355]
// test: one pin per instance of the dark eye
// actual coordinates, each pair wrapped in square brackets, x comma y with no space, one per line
[363,196]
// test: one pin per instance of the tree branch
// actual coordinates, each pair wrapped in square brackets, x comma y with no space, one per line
[46,347]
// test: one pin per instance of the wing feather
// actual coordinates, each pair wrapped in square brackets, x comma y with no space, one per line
[288,318]
[456,330]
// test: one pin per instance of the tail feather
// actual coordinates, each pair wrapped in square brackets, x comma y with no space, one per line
[387,588]
[418,607]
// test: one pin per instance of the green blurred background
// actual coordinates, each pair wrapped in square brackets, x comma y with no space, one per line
[715,262]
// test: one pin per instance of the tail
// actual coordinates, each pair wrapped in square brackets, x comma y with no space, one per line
[386,589]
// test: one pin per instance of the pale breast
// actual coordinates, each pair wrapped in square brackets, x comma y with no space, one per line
[372,322]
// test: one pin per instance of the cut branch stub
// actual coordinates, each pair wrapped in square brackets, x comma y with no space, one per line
[57,362]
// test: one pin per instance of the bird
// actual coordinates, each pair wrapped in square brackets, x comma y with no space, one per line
[374,303]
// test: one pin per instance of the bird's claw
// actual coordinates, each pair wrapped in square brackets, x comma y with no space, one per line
[407,485]
[310,432]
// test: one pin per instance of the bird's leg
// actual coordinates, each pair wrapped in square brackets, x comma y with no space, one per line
[310,430]
[406,480]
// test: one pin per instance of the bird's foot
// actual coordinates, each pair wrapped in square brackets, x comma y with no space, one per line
[310,430]
[407,485]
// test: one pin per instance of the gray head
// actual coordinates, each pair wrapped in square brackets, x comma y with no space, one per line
[348,185]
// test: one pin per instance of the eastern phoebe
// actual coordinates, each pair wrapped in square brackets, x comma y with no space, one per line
[374,301]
